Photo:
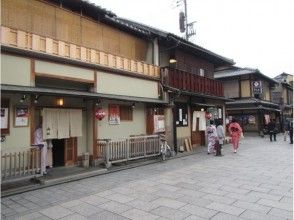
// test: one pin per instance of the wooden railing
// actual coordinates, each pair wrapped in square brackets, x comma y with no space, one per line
[191,82]
[23,163]
[120,150]
[37,43]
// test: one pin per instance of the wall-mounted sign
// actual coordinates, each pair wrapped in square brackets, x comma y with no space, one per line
[257,87]
[21,116]
[181,115]
[159,123]
[114,114]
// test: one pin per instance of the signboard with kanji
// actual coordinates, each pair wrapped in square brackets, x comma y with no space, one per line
[257,87]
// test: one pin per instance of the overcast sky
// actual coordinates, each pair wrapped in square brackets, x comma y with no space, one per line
[254,33]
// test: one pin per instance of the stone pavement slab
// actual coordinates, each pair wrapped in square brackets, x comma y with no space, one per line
[256,183]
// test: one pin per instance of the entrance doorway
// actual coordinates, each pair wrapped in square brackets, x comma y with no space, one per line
[58,152]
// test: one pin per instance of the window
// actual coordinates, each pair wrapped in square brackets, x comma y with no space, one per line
[201,72]
[126,113]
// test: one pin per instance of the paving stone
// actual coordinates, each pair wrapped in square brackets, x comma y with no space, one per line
[167,203]
[255,188]
[106,215]
[55,212]
[281,213]
[115,207]
[74,217]
[71,203]
[252,206]
[119,198]
[225,208]
[31,216]
[169,213]
[248,214]
[276,204]
[94,200]
[246,198]
[198,211]
[194,217]
[195,200]
[85,209]
[225,216]
[221,199]
[264,196]
[136,214]
[235,190]
[287,199]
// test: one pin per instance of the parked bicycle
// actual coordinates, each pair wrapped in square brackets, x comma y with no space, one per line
[165,150]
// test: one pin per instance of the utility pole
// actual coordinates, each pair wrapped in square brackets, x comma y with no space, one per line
[186,27]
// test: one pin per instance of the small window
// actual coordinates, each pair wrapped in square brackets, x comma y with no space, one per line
[126,113]
[201,72]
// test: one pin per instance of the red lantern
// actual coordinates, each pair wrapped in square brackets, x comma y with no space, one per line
[100,114]
[208,115]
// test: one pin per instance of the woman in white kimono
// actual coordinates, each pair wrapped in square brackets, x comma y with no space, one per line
[211,137]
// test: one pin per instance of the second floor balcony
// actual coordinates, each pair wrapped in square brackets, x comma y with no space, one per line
[27,41]
[193,83]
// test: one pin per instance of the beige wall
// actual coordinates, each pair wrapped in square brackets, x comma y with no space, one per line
[15,70]
[123,85]
[266,91]
[125,128]
[245,88]
[63,70]
[18,137]
[184,132]
[231,89]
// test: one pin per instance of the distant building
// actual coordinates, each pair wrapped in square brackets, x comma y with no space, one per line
[251,90]
[283,95]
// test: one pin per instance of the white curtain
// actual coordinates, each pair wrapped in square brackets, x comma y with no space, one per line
[202,121]
[63,123]
[50,125]
[76,119]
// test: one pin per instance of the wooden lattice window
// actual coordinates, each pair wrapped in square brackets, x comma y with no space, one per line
[126,113]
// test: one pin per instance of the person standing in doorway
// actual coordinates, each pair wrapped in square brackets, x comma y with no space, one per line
[211,137]
[38,139]
[272,129]
[235,132]
[220,137]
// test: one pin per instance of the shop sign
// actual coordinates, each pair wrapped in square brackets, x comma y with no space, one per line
[114,114]
[257,87]
[159,123]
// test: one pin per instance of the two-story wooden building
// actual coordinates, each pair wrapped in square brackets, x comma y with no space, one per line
[188,81]
[251,91]
[68,63]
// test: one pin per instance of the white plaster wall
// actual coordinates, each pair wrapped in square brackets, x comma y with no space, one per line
[15,70]
[125,128]
[60,70]
[123,85]
[18,137]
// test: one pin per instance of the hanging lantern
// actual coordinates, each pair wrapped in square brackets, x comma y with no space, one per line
[100,114]
[208,115]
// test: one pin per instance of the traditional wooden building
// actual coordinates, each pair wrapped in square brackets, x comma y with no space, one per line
[188,81]
[283,96]
[85,76]
[251,90]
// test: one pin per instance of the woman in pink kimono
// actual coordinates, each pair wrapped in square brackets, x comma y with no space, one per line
[211,137]
[235,132]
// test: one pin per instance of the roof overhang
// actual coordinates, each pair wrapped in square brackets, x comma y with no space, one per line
[183,92]
[253,108]
[75,93]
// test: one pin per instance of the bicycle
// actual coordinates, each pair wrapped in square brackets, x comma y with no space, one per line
[165,149]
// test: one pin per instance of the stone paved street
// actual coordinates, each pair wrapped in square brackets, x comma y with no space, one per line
[255,183]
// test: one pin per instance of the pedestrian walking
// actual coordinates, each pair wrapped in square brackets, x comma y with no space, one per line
[211,137]
[286,129]
[235,132]
[290,129]
[220,137]
[272,129]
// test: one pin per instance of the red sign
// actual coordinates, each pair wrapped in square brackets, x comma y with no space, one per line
[100,114]
[208,115]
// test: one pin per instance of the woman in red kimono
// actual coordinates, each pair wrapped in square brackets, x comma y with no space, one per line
[235,132]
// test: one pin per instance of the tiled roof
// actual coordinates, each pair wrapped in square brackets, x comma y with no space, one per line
[251,101]
[237,71]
